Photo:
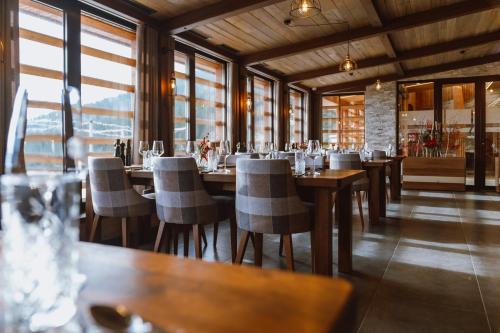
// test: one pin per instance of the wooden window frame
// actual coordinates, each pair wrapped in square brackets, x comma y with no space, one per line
[250,79]
[302,112]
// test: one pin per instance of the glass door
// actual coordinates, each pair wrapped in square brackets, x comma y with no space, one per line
[458,124]
[492,167]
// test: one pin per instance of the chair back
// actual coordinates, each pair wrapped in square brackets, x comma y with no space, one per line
[112,193]
[267,200]
[345,162]
[180,195]
[379,155]
[231,159]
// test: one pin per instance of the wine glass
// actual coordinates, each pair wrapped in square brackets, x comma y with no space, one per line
[157,148]
[191,148]
[313,152]
[225,150]
[287,146]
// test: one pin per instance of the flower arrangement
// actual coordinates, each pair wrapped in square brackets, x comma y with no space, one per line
[203,148]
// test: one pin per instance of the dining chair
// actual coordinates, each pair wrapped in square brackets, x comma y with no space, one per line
[181,200]
[113,196]
[382,155]
[352,162]
[267,203]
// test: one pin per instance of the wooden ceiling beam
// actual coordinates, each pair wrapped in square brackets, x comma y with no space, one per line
[211,13]
[457,44]
[196,41]
[412,73]
[406,22]
[123,7]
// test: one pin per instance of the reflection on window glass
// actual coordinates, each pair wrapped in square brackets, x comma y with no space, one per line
[108,83]
[263,110]
[41,59]
[492,130]
[181,123]
[343,121]
[210,99]
[297,117]
[416,112]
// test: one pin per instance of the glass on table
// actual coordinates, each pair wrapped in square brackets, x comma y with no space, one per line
[191,148]
[143,151]
[40,221]
[225,150]
[300,163]
[314,151]
[213,160]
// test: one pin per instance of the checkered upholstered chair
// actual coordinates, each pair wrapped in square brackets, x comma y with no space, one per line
[267,203]
[113,195]
[181,200]
[231,159]
[352,162]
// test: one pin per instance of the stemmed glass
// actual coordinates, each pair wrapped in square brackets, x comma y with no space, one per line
[191,148]
[313,152]
[143,151]
[157,149]
[225,150]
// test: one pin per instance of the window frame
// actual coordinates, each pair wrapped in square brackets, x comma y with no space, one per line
[251,113]
[303,114]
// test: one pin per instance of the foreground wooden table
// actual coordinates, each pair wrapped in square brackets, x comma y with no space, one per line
[186,295]
[321,188]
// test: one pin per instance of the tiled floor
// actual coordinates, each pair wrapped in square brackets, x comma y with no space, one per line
[433,266]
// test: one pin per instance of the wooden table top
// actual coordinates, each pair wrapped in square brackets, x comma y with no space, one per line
[186,295]
[327,178]
[377,163]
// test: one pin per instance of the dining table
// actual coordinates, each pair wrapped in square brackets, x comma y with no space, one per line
[317,189]
[190,296]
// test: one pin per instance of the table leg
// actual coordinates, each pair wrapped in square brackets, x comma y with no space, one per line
[343,205]
[322,232]
[396,180]
[374,195]
[382,193]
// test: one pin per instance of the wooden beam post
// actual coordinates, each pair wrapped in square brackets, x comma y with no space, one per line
[167,99]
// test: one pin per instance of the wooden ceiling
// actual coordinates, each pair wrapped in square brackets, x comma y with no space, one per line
[390,38]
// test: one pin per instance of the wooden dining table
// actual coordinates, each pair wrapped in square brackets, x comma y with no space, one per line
[191,296]
[318,189]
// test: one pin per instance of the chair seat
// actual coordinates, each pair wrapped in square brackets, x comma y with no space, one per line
[225,207]
[361,184]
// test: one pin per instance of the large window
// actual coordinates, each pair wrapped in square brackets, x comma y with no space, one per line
[210,99]
[416,113]
[42,65]
[263,105]
[207,116]
[181,123]
[107,82]
[343,121]
[297,117]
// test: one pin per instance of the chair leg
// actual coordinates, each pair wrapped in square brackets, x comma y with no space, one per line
[203,235]
[245,235]
[360,207]
[287,242]
[95,224]
[175,236]
[159,236]
[258,239]
[216,231]
[281,246]
[233,228]
[124,232]
[186,241]
[169,238]
[196,240]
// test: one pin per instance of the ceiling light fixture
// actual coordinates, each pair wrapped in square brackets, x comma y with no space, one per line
[378,85]
[348,64]
[305,8]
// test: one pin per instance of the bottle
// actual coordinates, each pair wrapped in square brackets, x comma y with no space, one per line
[117,148]
[128,153]
[122,152]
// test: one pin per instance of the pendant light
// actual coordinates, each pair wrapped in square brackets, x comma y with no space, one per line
[305,8]
[378,83]
[348,64]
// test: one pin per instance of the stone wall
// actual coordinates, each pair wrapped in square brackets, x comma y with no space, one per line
[380,106]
